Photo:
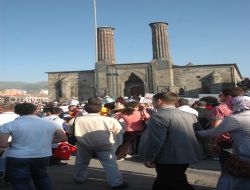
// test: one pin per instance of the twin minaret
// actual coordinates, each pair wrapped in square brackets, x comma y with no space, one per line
[105,43]
[160,40]
[106,50]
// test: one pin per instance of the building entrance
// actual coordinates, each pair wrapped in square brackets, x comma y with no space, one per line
[134,86]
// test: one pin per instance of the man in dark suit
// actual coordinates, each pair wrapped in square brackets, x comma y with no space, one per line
[203,114]
[171,145]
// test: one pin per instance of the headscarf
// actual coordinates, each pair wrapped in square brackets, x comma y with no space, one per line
[240,103]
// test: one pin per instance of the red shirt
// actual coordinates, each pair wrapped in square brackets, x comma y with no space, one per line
[220,112]
[133,122]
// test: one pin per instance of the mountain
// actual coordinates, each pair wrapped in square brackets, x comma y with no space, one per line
[29,87]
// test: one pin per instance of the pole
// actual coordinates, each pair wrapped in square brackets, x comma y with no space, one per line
[96,51]
[95,27]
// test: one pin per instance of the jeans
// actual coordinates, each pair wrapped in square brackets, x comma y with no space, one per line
[22,170]
[107,159]
[2,164]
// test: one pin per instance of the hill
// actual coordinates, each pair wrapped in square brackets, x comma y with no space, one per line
[29,87]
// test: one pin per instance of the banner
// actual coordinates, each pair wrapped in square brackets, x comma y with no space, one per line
[147,99]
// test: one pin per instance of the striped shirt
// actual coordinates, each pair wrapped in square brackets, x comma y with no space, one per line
[220,112]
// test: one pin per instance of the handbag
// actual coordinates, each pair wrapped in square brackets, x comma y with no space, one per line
[237,167]
[64,151]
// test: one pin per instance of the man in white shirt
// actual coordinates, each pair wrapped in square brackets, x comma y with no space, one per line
[183,105]
[96,134]
[52,114]
[6,116]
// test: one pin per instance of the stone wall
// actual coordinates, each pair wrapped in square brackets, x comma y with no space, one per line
[86,85]
[150,77]
[162,76]
[62,85]
[204,79]
[112,78]
[65,85]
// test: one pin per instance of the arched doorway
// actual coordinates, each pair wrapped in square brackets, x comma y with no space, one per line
[134,86]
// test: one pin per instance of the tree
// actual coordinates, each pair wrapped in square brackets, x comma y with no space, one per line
[244,83]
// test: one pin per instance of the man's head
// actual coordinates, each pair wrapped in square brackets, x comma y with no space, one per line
[25,109]
[182,102]
[55,110]
[72,110]
[201,104]
[47,111]
[164,99]
[94,105]
[7,107]
[237,91]
[228,93]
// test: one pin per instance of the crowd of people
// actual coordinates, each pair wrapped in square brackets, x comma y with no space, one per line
[168,134]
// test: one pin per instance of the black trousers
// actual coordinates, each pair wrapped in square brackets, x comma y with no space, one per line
[129,138]
[171,177]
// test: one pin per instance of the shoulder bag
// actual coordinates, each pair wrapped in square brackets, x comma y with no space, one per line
[235,166]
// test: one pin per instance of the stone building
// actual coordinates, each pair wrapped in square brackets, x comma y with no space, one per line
[135,79]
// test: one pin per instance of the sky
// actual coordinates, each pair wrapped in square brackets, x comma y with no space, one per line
[58,35]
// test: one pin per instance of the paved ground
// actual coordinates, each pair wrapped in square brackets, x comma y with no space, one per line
[203,176]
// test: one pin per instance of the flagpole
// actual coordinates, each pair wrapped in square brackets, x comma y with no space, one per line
[96,51]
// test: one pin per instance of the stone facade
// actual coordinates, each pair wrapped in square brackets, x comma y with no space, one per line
[158,75]
[205,79]
[65,85]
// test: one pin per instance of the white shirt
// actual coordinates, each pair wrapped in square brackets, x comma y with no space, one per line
[94,131]
[188,109]
[31,136]
[6,117]
[55,118]
[58,121]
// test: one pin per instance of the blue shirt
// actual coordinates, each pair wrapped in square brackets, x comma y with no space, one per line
[31,136]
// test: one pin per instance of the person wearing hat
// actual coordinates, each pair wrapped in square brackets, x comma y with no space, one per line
[133,125]
[118,108]
[108,108]
[114,112]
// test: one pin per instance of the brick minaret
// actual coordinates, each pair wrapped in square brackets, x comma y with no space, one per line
[160,40]
[161,65]
[105,44]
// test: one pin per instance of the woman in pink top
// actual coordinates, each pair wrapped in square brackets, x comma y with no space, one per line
[134,125]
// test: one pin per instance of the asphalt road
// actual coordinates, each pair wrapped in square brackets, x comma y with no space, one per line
[203,175]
